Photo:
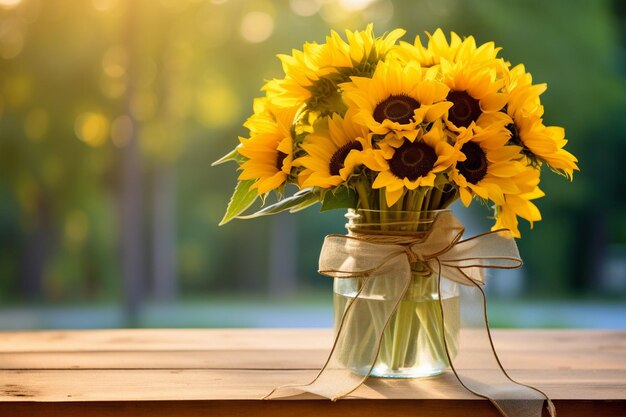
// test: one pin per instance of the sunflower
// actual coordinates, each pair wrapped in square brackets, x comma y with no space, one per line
[520,204]
[396,99]
[542,143]
[457,50]
[475,96]
[312,75]
[332,154]
[407,165]
[539,143]
[488,167]
[262,119]
[362,50]
[269,150]
[302,69]
[524,98]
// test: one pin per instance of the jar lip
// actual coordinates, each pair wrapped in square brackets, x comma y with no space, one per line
[352,211]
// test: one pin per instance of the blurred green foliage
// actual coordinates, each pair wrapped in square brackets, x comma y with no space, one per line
[81,80]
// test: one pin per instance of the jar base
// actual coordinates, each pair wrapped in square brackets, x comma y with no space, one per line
[382,371]
[405,373]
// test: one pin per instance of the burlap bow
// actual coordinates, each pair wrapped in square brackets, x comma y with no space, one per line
[385,262]
[439,248]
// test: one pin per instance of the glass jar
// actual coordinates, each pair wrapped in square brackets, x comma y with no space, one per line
[412,345]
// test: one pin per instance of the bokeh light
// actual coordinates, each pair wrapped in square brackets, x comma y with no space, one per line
[92,128]
[9,4]
[355,5]
[305,7]
[115,61]
[257,27]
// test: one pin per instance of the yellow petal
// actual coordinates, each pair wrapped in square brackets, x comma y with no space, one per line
[393,196]
[466,196]
[493,102]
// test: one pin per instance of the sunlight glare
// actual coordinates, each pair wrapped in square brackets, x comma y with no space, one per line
[355,5]
[257,27]
[304,7]
[9,4]
[103,5]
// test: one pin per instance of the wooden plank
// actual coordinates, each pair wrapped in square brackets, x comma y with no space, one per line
[289,339]
[185,385]
[286,359]
[304,349]
[185,373]
[215,359]
[164,339]
[305,408]
[531,340]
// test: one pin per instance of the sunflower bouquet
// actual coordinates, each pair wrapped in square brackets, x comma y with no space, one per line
[386,126]
[370,122]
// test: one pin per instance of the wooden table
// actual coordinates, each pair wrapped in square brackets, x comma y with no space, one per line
[224,372]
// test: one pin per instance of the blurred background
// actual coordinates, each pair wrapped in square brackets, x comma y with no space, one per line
[111,112]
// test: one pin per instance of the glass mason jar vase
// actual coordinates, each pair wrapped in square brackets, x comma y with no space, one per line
[412,345]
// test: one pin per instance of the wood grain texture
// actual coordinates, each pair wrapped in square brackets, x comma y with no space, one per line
[224,372]
[303,408]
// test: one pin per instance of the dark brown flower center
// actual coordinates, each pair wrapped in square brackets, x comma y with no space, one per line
[339,157]
[515,139]
[279,160]
[474,168]
[397,108]
[465,109]
[412,160]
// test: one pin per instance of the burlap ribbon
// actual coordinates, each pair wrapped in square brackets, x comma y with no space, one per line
[384,265]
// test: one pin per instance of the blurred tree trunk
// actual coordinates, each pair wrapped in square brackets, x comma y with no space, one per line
[282,255]
[133,269]
[165,279]
[133,256]
[36,251]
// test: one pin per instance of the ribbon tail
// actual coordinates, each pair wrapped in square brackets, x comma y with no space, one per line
[355,350]
[511,398]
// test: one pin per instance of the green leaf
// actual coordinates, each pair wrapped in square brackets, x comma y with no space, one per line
[299,201]
[305,204]
[233,155]
[343,197]
[242,198]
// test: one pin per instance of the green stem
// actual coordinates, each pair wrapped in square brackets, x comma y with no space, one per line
[364,192]
[382,201]
[364,195]
[435,199]
[426,201]
[429,314]
[421,193]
